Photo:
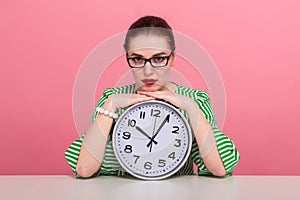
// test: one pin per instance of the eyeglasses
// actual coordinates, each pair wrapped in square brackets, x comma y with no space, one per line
[140,62]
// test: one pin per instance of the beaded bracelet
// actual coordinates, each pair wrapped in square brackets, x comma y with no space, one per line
[107,113]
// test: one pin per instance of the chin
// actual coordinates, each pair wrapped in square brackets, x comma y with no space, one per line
[151,88]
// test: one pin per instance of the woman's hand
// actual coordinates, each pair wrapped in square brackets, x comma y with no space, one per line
[180,101]
[117,101]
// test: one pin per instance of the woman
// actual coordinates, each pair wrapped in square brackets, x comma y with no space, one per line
[150,52]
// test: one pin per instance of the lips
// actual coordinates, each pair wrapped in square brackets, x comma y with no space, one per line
[149,81]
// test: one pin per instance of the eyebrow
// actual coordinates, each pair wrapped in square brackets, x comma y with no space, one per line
[157,54]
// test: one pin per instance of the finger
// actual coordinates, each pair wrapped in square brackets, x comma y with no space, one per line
[140,98]
[149,93]
[168,96]
[158,95]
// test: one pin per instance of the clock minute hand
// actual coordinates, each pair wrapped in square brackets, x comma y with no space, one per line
[145,134]
[162,124]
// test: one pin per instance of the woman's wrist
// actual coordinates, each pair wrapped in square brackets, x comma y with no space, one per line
[108,105]
[107,113]
[107,109]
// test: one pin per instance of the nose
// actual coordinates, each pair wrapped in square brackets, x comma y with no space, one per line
[148,70]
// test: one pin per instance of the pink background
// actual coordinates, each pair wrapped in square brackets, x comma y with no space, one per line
[255,45]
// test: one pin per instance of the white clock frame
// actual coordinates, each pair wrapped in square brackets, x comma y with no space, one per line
[128,166]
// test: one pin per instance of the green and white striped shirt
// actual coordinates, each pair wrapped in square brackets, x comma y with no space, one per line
[110,166]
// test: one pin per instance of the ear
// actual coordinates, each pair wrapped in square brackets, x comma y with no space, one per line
[172,59]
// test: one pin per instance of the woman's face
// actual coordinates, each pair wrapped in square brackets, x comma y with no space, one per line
[149,78]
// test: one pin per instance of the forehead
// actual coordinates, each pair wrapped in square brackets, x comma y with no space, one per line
[148,43]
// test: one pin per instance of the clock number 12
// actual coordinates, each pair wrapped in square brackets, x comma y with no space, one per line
[155,113]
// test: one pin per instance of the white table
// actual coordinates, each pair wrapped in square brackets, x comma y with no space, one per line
[175,188]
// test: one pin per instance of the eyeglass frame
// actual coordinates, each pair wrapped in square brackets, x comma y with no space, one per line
[149,60]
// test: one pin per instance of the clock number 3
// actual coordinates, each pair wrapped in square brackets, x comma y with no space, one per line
[178,144]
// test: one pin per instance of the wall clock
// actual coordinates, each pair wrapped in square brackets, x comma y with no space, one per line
[152,140]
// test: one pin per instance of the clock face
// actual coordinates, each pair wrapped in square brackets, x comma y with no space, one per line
[152,140]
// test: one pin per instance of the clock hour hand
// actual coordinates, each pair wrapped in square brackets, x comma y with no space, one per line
[160,127]
[145,134]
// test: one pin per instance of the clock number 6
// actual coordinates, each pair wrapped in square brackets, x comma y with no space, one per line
[148,165]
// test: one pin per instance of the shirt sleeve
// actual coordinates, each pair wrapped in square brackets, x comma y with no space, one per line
[72,152]
[227,150]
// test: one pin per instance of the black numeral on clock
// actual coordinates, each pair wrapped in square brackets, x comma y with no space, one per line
[142,114]
[178,143]
[128,149]
[136,158]
[172,155]
[131,122]
[148,165]
[126,135]
[175,130]
[161,163]
[155,113]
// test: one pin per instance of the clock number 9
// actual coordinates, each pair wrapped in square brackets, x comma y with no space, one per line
[126,135]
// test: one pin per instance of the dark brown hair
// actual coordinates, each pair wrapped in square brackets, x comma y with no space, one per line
[150,25]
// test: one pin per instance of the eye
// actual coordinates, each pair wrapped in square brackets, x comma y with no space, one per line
[159,59]
[137,59]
